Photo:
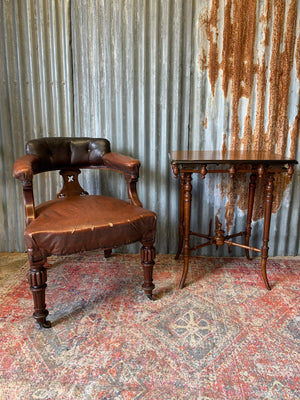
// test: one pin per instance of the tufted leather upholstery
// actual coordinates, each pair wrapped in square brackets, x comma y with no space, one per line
[57,153]
[76,221]
[49,154]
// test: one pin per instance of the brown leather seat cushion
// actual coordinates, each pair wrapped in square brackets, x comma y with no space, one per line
[72,224]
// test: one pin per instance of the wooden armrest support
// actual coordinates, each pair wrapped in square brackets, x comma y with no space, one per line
[28,201]
[24,169]
[130,168]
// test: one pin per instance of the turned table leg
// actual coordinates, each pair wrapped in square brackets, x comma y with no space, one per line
[187,219]
[252,186]
[181,217]
[267,221]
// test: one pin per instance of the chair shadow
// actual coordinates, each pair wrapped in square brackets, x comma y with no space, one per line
[162,292]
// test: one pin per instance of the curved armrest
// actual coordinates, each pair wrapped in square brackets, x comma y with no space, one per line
[125,164]
[25,167]
[130,168]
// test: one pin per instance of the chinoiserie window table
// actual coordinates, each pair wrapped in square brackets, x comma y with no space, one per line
[186,163]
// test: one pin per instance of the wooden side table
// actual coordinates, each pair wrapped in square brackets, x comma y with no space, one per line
[186,163]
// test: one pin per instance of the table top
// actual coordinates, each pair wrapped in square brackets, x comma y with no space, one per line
[232,157]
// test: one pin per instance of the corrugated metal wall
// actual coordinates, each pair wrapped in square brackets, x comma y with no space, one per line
[154,76]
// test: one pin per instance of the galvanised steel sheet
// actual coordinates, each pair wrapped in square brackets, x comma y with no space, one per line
[154,76]
[36,96]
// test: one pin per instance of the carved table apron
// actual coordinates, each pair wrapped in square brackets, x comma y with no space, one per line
[258,164]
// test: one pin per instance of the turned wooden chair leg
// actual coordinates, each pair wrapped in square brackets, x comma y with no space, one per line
[37,280]
[107,253]
[147,258]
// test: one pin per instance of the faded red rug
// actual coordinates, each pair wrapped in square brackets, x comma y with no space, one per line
[224,336]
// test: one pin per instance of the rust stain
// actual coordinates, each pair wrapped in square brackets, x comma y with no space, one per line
[227,50]
[298,55]
[232,190]
[259,129]
[224,148]
[237,63]
[295,130]
[247,137]
[203,24]
[239,67]
[258,135]
[244,25]
[286,65]
[275,69]
[295,133]
[212,36]
[202,60]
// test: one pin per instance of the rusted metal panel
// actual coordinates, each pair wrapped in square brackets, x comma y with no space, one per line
[248,60]
[154,76]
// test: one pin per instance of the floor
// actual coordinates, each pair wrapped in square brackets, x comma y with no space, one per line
[11,262]
[224,336]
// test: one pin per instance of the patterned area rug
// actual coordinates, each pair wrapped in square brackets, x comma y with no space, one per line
[224,336]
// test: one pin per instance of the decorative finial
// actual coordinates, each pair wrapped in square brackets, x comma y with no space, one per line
[203,170]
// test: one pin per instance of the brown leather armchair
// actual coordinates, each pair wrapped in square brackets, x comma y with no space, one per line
[76,221]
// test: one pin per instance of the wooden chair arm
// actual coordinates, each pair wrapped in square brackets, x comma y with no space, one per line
[124,164]
[24,169]
[129,167]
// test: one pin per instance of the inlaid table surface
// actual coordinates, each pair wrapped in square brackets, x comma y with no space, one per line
[257,164]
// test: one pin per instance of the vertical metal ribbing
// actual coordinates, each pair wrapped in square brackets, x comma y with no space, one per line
[140,74]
